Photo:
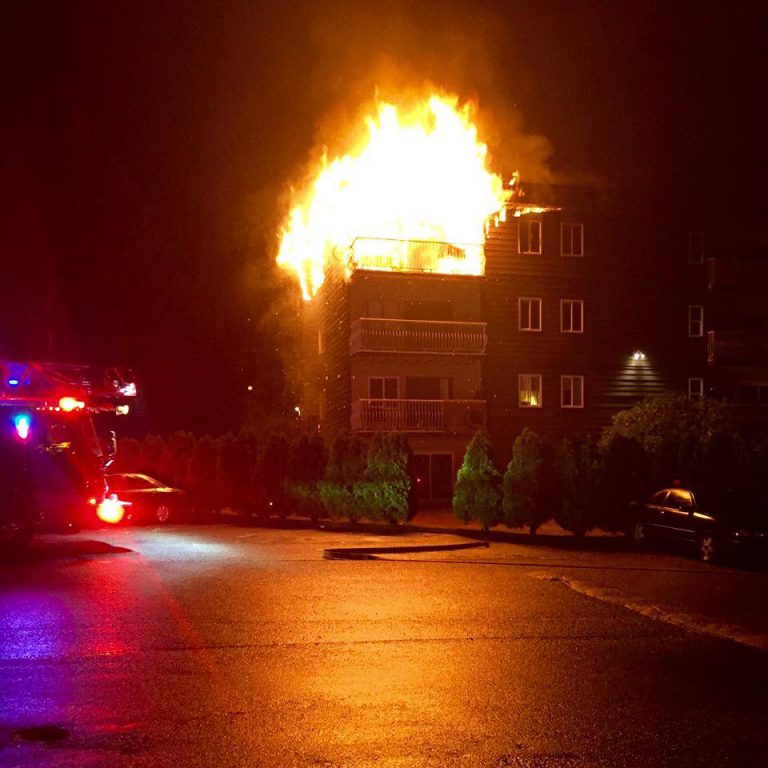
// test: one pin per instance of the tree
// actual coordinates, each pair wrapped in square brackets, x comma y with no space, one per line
[528,485]
[306,466]
[174,461]
[579,467]
[626,478]
[128,457]
[201,478]
[271,474]
[384,488]
[152,449]
[673,431]
[476,495]
[234,469]
[345,468]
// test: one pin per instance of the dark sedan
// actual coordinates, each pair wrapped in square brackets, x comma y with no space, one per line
[147,500]
[719,525]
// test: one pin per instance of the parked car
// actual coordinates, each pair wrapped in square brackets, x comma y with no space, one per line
[147,499]
[723,525]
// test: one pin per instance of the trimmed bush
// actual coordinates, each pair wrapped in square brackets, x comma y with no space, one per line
[580,470]
[476,495]
[384,489]
[306,467]
[346,467]
[529,484]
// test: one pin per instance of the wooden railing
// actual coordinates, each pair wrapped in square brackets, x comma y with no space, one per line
[737,347]
[454,416]
[375,334]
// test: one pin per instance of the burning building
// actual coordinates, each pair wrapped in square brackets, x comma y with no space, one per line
[439,301]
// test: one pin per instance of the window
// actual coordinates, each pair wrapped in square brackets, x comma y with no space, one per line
[571,239]
[571,315]
[680,499]
[530,314]
[529,237]
[530,390]
[695,247]
[384,308]
[753,394]
[572,391]
[320,342]
[695,388]
[659,498]
[695,320]
[383,388]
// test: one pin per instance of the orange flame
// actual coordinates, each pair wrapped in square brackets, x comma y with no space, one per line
[415,194]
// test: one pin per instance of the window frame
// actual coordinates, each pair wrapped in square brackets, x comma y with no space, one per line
[571,303]
[528,223]
[572,377]
[695,324]
[571,226]
[530,377]
[529,299]
[695,395]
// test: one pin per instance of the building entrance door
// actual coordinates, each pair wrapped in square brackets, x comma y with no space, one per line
[434,476]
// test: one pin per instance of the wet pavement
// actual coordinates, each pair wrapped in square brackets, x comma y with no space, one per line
[226,646]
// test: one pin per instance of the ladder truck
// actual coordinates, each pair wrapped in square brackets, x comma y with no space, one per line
[52,461]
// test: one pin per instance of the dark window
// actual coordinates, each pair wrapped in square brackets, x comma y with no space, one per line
[383,388]
[679,499]
[659,498]
[428,388]
[530,236]
[429,310]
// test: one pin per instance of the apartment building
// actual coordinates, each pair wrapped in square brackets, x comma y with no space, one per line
[590,300]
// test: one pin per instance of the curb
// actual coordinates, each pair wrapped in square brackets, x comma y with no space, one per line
[370,553]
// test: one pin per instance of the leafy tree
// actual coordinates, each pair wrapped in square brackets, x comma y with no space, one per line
[175,459]
[201,478]
[626,478]
[528,484]
[152,450]
[234,468]
[129,456]
[384,489]
[346,467]
[306,466]
[476,495]
[674,432]
[271,475]
[579,467]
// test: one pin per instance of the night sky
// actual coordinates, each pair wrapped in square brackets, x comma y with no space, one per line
[147,147]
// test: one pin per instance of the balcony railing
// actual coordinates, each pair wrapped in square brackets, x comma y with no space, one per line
[374,334]
[454,416]
[737,348]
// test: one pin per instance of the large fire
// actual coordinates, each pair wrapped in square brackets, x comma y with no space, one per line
[414,194]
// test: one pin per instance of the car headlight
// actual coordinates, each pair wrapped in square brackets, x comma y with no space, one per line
[744,533]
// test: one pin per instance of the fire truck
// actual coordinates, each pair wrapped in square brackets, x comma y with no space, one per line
[52,460]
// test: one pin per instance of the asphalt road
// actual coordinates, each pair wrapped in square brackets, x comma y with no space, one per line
[225,646]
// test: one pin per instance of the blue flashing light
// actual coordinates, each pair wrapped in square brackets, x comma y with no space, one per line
[22,422]
[13,382]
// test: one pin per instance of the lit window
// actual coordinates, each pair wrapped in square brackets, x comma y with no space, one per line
[571,239]
[530,236]
[571,315]
[695,320]
[695,389]
[320,342]
[572,391]
[695,247]
[530,390]
[383,388]
[530,314]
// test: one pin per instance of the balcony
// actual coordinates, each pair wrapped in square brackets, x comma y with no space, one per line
[426,337]
[452,416]
[737,348]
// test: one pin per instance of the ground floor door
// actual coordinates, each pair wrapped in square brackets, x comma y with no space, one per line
[434,476]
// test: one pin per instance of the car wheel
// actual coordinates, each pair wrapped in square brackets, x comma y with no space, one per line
[709,550]
[163,513]
[640,534]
